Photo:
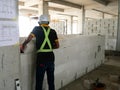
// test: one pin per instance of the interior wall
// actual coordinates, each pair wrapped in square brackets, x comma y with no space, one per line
[76,56]
[118,30]
[106,27]
[9,46]
[9,67]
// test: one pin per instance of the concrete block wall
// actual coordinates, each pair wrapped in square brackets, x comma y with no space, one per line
[9,67]
[59,26]
[107,27]
[76,56]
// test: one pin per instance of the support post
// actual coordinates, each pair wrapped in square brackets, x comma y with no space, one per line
[83,19]
[118,30]
[71,24]
[43,7]
[103,15]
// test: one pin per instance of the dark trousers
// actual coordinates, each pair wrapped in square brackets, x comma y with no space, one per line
[47,67]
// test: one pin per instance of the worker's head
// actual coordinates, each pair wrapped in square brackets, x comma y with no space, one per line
[43,19]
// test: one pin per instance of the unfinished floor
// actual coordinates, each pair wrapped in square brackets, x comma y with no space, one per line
[108,73]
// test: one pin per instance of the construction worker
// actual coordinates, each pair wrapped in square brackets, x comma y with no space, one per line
[46,41]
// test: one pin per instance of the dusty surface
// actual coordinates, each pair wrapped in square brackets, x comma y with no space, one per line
[110,68]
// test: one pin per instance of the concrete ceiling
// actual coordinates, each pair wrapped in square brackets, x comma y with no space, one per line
[106,6]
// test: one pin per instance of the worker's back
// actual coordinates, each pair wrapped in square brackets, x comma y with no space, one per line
[40,37]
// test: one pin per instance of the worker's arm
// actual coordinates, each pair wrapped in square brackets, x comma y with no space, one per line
[56,44]
[29,38]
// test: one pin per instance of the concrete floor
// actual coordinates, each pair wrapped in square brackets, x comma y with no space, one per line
[106,73]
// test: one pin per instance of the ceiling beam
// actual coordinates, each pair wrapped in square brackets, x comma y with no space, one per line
[89,18]
[66,3]
[104,12]
[21,3]
[27,12]
[22,0]
[32,3]
[28,8]
[67,15]
[103,2]
[56,9]
[36,9]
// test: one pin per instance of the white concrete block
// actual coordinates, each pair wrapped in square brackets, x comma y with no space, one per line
[104,27]
[9,67]
[2,86]
[28,71]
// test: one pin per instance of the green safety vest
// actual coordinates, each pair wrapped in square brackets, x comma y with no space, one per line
[46,40]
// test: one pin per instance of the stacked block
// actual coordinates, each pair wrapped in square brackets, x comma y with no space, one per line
[59,26]
[106,27]
[9,67]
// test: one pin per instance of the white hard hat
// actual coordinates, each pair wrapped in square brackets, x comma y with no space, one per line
[43,19]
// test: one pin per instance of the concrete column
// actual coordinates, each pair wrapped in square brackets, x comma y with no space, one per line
[65,27]
[103,15]
[83,19]
[71,17]
[79,22]
[118,30]
[43,7]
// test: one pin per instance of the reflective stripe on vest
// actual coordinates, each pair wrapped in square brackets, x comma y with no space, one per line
[46,40]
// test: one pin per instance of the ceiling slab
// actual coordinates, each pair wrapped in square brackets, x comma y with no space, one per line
[110,7]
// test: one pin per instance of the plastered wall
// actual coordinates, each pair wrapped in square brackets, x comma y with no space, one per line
[107,27]
[76,56]
[9,67]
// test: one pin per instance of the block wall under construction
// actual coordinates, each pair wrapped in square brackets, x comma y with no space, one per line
[106,27]
[76,56]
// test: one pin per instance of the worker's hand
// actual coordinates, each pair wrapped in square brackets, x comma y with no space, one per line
[56,44]
[22,48]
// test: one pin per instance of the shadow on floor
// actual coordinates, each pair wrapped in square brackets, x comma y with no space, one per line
[108,73]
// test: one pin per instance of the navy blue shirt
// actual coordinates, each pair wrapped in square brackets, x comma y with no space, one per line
[39,34]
